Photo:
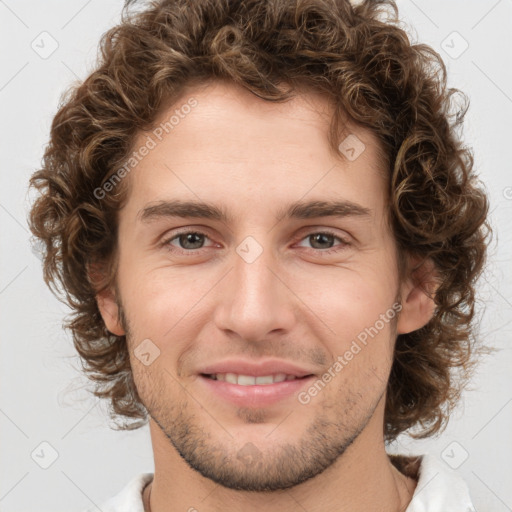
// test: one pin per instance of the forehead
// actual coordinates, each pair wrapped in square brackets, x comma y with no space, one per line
[221,143]
[222,108]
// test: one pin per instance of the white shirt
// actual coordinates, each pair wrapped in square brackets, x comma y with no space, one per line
[438,489]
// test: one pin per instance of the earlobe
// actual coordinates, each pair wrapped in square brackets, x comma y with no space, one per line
[418,303]
[110,312]
[106,300]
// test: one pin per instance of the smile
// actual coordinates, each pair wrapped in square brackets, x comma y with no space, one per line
[251,380]
[251,390]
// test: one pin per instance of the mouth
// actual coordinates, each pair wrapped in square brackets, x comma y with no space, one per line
[253,391]
[253,380]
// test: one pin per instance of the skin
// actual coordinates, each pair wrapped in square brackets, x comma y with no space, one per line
[294,302]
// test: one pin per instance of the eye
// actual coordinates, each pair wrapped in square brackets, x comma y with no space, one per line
[186,241]
[323,240]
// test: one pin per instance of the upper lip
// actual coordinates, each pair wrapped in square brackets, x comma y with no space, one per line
[257,369]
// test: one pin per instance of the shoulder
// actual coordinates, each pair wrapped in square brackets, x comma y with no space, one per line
[438,486]
[128,499]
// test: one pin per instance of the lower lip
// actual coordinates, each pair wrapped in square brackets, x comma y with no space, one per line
[256,395]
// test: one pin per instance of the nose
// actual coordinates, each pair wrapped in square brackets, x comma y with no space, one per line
[254,299]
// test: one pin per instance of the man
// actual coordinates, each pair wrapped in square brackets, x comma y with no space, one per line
[270,236]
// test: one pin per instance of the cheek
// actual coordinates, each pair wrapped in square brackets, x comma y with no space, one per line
[348,300]
[362,348]
[359,310]
[161,305]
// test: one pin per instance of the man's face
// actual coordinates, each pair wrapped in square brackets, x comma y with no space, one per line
[256,295]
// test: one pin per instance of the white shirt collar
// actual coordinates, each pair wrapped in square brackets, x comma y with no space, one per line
[439,488]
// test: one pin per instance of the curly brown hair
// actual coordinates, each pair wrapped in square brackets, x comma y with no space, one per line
[375,78]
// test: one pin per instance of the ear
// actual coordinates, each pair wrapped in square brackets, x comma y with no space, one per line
[417,293]
[106,300]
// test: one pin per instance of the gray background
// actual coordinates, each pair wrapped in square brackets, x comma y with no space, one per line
[43,397]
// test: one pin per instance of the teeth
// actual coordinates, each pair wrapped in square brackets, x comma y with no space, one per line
[246,380]
[267,379]
[231,378]
[251,380]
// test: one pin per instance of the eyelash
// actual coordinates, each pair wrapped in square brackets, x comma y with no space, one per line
[191,252]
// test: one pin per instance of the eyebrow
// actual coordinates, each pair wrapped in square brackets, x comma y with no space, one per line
[296,210]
